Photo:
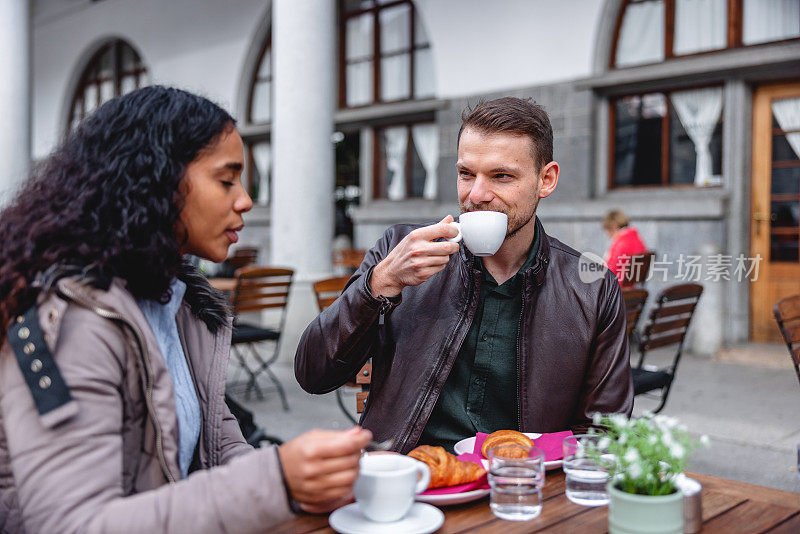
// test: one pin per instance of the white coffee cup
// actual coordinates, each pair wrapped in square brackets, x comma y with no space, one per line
[483,231]
[387,483]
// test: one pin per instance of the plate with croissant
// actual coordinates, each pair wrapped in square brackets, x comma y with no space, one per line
[454,480]
[509,437]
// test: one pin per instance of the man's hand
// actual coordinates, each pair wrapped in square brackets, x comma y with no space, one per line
[415,259]
[320,466]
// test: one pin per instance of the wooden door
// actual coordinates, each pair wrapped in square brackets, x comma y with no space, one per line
[775,224]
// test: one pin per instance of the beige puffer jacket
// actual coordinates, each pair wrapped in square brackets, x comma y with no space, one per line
[108,462]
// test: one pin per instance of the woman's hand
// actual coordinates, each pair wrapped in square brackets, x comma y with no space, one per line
[321,466]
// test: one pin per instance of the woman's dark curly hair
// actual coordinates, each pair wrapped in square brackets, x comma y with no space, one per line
[107,200]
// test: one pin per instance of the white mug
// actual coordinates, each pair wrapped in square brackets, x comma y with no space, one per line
[483,231]
[387,483]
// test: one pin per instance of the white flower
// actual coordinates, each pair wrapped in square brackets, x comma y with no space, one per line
[619,420]
[604,442]
[596,418]
[704,441]
[635,470]
[666,437]
[652,439]
[677,450]
[622,439]
[632,455]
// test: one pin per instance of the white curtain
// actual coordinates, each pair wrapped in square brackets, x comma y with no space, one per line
[426,139]
[699,111]
[641,38]
[396,143]
[787,113]
[770,20]
[262,155]
[700,25]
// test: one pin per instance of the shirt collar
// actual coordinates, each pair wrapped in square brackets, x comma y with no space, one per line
[178,291]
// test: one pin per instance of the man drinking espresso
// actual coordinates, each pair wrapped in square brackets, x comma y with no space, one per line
[462,343]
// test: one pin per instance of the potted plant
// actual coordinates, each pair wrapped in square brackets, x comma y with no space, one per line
[649,452]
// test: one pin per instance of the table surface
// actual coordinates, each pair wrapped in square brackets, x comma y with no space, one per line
[728,506]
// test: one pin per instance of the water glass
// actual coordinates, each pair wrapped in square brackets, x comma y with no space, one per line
[516,475]
[586,478]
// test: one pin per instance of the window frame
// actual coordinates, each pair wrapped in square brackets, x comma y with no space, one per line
[735,28]
[665,138]
[377,56]
[89,77]
[378,161]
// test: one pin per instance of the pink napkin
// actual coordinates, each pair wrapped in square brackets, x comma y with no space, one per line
[481,483]
[549,443]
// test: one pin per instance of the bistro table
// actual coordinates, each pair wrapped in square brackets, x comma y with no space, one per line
[728,506]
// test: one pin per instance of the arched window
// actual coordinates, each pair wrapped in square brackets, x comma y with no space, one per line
[114,70]
[385,55]
[650,31]
[258,117]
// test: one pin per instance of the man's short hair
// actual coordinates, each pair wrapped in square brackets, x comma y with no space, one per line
[515,116]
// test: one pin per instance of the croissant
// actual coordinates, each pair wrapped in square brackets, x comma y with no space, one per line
[505,437]
[446,469]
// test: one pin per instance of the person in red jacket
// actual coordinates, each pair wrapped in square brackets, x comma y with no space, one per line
[625,242]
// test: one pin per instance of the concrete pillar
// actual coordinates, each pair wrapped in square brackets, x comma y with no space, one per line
[304,59]
[303,47]
[15,90]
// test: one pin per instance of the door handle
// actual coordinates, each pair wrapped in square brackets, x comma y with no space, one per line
[759,217]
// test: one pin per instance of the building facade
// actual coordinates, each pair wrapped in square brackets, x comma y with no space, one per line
[685,114]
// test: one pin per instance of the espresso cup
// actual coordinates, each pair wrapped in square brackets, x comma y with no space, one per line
[387,483]
[483,231]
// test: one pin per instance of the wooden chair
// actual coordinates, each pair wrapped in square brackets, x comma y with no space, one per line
[667,326]
[349,258]
[787,313]
[327,291]
[638,270]
[259,288]
[634,304]
[241,257]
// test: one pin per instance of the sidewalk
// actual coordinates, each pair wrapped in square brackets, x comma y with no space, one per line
[750,412]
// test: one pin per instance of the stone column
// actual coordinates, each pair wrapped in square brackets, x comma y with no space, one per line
[303,45]
[304,59]
[15,90]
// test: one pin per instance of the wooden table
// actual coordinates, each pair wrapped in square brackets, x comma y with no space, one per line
[728,506]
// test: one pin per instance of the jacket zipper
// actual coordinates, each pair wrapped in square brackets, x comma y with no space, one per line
[148,371]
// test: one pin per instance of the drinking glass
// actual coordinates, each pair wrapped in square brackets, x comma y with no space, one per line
[516,475]
[586,478]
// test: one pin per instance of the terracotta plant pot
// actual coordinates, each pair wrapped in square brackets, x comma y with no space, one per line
[644,514]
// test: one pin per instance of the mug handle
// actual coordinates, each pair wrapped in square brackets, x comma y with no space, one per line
[424,478]
[456,239]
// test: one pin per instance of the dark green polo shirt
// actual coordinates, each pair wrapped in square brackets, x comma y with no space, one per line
[480,394]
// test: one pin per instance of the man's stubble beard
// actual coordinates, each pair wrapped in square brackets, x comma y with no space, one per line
[515,222]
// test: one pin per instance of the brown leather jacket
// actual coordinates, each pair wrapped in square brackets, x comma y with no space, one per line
[108,461]
[572,347]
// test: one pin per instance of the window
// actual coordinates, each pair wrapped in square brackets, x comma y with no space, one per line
[406,162]
[650,31]
[114,70]
[258,149]
[385,55]
[785,194]
[667,138]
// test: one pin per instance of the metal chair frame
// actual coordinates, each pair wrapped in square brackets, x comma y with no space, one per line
[255,291]
[787,314]
[667,325]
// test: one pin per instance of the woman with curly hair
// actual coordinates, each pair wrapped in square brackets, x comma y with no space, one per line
[114,350]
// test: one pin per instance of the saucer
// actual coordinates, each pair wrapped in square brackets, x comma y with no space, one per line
[420,519]
[446,499]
